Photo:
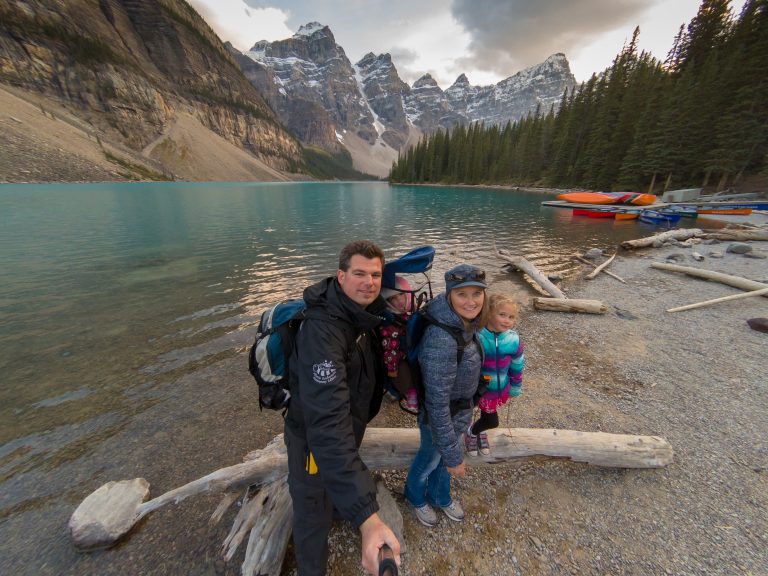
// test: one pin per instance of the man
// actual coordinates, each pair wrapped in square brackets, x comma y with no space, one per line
[336,390]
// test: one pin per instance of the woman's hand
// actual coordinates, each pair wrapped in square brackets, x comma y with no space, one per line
[457,471]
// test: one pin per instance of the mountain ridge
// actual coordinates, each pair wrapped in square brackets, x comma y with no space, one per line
[369,102]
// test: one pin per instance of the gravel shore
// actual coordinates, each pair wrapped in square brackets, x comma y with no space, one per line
[697,378]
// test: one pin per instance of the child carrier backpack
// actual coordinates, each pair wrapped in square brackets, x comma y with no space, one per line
[420,261]
[273,346]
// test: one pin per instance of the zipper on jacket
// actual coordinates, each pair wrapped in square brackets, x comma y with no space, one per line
[498,375]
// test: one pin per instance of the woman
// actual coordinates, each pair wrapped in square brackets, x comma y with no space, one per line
[450,359]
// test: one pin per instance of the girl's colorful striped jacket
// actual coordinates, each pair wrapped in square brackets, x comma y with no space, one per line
[504,361]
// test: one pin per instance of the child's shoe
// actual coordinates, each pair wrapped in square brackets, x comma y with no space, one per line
[482,440]
[470,443]
[412,400]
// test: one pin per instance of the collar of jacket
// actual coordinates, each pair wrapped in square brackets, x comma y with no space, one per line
[327,294]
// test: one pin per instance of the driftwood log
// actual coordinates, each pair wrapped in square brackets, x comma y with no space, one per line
[761,292]
[680,234]
[535,274]
[570,305]
[111,511]
[684,234]
[735,281]
[608,272]
[596,271]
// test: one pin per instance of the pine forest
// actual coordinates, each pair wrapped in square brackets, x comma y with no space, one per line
[700,118]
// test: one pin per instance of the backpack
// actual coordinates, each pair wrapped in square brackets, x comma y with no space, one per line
[273,346]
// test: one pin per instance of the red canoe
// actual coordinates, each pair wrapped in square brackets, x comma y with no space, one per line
[587,198]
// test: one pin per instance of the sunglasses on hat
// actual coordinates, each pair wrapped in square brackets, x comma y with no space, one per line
[473,276]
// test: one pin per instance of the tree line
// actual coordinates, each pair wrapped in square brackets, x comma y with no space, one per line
[699,118]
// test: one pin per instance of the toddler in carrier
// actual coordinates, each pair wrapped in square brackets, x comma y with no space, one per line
[393,342]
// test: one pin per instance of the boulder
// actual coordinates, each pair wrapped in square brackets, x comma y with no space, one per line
[759,324]
[739,248]
[107,514]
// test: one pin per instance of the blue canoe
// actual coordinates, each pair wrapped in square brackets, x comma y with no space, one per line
[658,217]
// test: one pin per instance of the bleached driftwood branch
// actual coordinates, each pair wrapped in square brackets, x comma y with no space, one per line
[608,272]
[535,274]
[760,292]
[596,271]
[570,305]
[735,281]
[685,233]
[383,448]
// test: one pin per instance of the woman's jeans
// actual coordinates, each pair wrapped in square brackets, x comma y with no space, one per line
[428,479]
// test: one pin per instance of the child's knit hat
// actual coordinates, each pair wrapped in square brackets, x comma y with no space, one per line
[402,286]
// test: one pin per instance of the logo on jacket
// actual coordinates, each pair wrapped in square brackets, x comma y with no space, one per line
[324,372]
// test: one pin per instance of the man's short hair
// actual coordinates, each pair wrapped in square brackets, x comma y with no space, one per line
[364,248]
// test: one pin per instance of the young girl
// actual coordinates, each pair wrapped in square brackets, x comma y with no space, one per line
[450,374]
[502,370]
[399,302]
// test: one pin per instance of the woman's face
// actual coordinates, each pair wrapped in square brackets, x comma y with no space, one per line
[467,302]
[502,319]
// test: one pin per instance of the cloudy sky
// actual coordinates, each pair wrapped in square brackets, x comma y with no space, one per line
[488,40]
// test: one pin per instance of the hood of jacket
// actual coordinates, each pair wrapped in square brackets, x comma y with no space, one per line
[329,296]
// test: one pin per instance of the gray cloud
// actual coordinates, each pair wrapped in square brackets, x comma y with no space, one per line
[359,26]
[509,35]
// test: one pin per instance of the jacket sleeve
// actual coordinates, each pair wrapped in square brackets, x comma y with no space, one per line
[516,367]
[437,359]
[324,396]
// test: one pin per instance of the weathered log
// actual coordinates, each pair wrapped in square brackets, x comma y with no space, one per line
[735,281]
[760,292]
[611,274]
[118,506]
[570,305]
[684,234]
[681,234]
[738,235]
[596,271]
[534,273]
[270,534]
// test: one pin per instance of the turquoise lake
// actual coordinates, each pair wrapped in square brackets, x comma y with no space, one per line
[111,295]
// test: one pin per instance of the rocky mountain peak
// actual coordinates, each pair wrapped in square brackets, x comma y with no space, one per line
[426,81]
[312,28]
[462,80]
[318,96]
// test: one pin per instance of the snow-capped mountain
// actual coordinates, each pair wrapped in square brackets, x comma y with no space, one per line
[317,86]
[369,110]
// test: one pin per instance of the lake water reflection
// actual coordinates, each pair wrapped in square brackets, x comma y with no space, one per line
[110,291]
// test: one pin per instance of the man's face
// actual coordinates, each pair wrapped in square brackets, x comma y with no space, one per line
[362,280]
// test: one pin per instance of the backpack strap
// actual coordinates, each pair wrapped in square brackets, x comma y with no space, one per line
[457,333]
[346,327]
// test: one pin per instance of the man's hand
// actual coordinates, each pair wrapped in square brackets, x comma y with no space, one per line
[375,534]
[457,471]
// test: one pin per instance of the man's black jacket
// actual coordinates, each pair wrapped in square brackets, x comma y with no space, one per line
[336,378]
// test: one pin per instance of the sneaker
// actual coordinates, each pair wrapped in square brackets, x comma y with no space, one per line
[454,511]
[426,515]
[391,396]
[470,443]
[412,401]
[485,447]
